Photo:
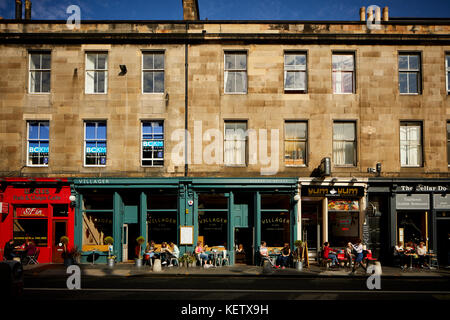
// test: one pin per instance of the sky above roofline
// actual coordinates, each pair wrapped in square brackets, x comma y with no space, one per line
[328,10]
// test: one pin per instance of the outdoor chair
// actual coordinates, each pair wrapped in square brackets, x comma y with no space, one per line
[173,261]
[33,259]
[223,258]
[324,262]
[198,259]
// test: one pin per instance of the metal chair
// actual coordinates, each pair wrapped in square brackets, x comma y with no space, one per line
[434,263]
[34,258]
[224,258]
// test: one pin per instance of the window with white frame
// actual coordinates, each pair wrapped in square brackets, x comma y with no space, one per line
[447,68]
[409,77]
[344,143]
[96,72]
[295,71]
[95,143]
[411,144]
[153,72]
[152,143]
[235,143]
[295,142]
[39,72]
[343,72]
[235,77]
[38,143]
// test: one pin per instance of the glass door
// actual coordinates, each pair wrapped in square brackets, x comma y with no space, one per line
[125,243]
[59,230]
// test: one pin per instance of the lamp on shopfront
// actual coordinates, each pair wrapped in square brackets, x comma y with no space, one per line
[72,199]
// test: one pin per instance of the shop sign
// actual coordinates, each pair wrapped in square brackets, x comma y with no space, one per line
[421,188]
[441,201]
[412,201]
[332,191]
[92,181]
[4,207]
[39,194]
[31,212]
[153,143]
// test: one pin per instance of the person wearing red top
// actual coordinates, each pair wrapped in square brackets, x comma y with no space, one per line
[329,254]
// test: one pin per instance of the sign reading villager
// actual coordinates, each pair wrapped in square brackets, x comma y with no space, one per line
[332,191]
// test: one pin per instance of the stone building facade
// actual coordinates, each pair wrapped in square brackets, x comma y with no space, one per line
[197,66]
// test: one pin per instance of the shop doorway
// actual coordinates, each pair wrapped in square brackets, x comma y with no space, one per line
[412,227]
[311,225]
[443,241]
[129,244]
[244,237]
[59,230]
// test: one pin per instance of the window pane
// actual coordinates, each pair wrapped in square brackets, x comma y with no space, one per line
[101,130]
[414,62]
[403,82]
[342,62]
[45,61]
[33,132]
[90,130]
[349,152]
[230,61]
[35,61]
[148,82]
[44,131]
[347,82]
[230,82]
[102,61]
[300,80]
[101,84]
[412,88]
[289,82]
[90,61]
[402,62]
[241,61]
[448,152]
[240,81]
[148,61]
[159,61]
[349,131]
[289,60]
[45,81]
[300,59]
[448,61]
[159,82]
[36,81]
[295,130]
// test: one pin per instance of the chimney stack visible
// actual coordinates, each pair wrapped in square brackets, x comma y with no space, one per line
[386,14]
[362,14]
[190,10]
[18,9]
[27,10]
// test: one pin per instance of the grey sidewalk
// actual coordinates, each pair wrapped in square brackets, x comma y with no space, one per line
[126,269]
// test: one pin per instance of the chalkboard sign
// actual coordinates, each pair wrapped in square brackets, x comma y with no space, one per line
[366,234]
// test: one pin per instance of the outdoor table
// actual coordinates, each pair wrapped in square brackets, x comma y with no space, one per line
[411,255]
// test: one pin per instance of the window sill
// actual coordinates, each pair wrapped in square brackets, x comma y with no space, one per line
[36,166]
[409,94]
[295,91]
[96,93]
[296,166]
[236,93]
[94,166]
[235,165]
[344,93]
[39,93]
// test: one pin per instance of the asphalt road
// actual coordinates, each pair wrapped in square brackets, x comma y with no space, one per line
[235,288]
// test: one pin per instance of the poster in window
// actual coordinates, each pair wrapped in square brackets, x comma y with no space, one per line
[186,235]
[343,205]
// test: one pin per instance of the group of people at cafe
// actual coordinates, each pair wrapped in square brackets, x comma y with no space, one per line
[167,253]
[409,251]
[23,252]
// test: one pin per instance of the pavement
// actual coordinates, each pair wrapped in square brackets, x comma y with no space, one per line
[129,269]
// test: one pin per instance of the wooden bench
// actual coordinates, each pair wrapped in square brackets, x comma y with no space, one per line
[94,250]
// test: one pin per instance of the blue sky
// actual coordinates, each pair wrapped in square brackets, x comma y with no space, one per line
[229,9]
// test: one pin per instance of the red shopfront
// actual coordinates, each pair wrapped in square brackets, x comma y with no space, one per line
[39,210]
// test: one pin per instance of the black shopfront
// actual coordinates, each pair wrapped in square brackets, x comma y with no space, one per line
[410,210]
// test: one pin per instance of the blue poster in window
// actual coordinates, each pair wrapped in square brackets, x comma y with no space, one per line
[95,149]
[159,154]
[103,160]
[153,143]
[38,149]
[45,160]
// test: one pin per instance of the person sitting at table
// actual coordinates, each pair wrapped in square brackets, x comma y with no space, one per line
[264,253]
[200,252]
[164,254]
[399,252]
[330,254]
[8,251]
[174,252]
[30,250]
[149,252]
[410,248]
[283,258]
[422,253]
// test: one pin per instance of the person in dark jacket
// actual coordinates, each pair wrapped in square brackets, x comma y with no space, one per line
[8,251]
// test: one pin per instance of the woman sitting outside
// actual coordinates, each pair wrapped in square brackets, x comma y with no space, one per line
[329,254]
[399,252]
[200,252]
[174,252]
[422,253]
[149,252]
[283,258]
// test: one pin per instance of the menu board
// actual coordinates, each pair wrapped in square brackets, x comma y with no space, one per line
[186,235]
[343,205]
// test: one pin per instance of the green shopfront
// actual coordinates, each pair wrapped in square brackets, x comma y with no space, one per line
[217,211]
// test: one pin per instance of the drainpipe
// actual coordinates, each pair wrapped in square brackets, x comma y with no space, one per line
[186,80]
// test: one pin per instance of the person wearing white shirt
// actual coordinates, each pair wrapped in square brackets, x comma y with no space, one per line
[421,251]
[359,255]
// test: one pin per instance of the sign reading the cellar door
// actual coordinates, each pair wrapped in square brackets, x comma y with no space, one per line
[332,191]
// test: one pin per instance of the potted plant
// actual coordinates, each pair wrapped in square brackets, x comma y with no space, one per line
[140,240]
[111,258]
[186,260]
[298,263]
